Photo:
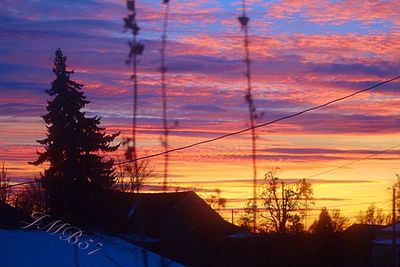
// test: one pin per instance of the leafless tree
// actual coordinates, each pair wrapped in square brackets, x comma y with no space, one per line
[215,200]
[5,190]
[295,224]
[373,215]
[246,219]
[31,198]
[339,222]
[397,190]
[130,179]
[284,201]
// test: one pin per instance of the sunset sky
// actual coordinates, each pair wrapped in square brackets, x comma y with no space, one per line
[303,53]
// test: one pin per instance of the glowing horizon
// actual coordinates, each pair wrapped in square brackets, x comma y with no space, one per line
[301,54]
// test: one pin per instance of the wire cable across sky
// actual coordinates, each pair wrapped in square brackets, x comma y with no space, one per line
[352,162]
[266,123]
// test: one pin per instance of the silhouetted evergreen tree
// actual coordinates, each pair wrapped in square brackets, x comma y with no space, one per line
[324,224]
[77,171]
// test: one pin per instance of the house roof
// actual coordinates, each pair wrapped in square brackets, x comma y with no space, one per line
[362,233]
[364,228]
[160,214]
[389,228]
[386,241]
[11,217]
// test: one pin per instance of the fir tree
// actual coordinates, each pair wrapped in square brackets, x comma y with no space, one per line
[76,171]
[324,224]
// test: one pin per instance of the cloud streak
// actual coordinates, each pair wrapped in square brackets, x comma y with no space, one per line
[302,56]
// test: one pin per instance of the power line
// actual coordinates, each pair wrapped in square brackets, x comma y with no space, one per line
[381,203]
[308,177]
[355,161]
[18,184]
[264,124]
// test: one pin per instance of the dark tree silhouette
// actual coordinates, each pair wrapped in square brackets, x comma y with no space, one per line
[246,219]
[340,223]
[284,202]
[31,198]
[373,215]
[324,224]
[5,191]
[329,222]
[77,170]
[132,177]
[215,201]
[396,186]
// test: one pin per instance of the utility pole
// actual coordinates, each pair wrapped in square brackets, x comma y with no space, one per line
[394,245]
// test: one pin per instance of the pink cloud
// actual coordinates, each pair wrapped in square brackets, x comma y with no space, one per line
[337,12]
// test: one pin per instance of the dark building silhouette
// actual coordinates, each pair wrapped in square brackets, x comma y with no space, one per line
[11,217]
